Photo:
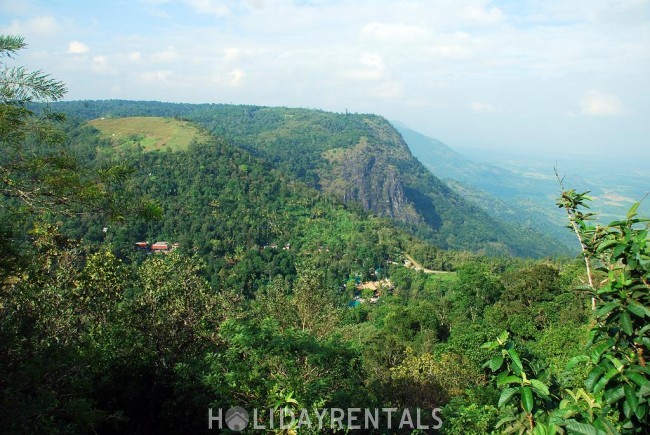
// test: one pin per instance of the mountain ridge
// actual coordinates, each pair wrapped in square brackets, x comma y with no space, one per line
[359,158]
[503,194]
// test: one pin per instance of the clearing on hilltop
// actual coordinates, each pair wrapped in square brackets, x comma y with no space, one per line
[150,132]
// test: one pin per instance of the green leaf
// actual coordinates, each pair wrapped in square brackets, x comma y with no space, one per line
[495,363]
[645,390]
[575,360]
[506,395]
[592,377]
[598,350]
[615,394]
[626,409]
[604,380]
[615,361]
[641,411]
[630,397]
[489,345]
[606,308]
[527,399]
[508,380]
[638,309]
[626,323]
[516,362]
[618,250]
[638,379]
[503,421]
[583,429]
[606,244]
[605,426]
[632,211]
[539,386]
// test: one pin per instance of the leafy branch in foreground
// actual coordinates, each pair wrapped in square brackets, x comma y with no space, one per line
[619,340]
[37,169]
[515,382]
[616,395]
[18,85]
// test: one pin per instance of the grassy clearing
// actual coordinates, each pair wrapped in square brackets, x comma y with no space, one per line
[152,133]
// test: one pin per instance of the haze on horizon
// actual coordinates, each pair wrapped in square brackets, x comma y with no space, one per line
[538,76]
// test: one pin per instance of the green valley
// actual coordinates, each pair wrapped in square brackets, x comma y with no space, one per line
[179,268]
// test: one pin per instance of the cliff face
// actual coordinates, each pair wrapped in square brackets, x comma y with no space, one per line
[365,174]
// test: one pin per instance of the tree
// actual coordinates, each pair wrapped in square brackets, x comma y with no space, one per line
[36,166]
[314,303]
[621,337]
[32,168]
[18,86]
[616,393]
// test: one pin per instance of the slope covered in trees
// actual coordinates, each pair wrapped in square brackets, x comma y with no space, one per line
[96,337]
[356,158]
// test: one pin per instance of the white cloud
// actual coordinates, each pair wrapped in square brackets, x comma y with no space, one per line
[372,60]
[156,76]
[459,45]
[135,56]
[165,56]
[236,76]
[480,15]
[372,68]
[230,54]
[40,26]
[257,4]
[481,107]
[596,103]
[232,78]
[76,47]
[209,7]
[388,89]
[397,32]
[100,65]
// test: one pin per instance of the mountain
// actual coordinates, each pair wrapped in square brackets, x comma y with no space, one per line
[504,194]
[358,158]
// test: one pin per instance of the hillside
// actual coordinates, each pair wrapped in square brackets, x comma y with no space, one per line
[151,133]
[505,195]
[164,263]
[361,159]
[245,219]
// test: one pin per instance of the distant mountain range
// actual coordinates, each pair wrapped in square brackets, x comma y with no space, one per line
[524,190]
[358,158]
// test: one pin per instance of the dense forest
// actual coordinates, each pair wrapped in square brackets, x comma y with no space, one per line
[283,296]
[354,157]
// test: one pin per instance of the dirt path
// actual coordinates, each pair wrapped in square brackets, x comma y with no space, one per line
[418,266]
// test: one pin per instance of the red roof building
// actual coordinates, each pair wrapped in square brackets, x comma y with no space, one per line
[160,246]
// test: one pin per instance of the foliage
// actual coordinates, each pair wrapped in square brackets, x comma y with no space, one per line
[616,388]
[18,85]
[378,169]
[469,419]
[252,308]
[429,381]
[517,381]
[619,340]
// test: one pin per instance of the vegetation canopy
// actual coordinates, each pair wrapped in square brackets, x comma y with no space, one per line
[211,256]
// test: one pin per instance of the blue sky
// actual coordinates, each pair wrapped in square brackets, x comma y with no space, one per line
[556,76]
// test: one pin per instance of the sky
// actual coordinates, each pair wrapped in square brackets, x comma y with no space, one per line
[557,76]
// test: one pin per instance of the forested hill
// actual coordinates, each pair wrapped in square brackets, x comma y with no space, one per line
[358,158]
[506,195]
